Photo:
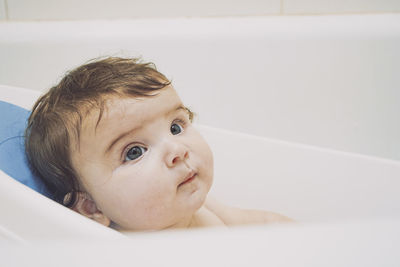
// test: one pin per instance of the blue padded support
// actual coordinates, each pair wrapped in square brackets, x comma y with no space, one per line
[13,159]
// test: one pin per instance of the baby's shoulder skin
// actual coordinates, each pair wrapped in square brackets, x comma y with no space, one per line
[232,216]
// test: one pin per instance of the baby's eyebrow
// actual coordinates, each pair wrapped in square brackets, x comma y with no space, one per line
[179,107]
[186,109]
[119,137]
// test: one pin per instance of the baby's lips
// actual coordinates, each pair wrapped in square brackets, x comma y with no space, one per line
[188,177]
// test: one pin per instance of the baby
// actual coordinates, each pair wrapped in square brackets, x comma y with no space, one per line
[114,142]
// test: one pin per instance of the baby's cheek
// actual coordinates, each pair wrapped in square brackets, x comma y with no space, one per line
[206,151]
[139,184]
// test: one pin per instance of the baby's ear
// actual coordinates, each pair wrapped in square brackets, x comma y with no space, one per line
[87,207]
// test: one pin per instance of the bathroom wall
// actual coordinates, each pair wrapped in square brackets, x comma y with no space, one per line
[12,10]
[3,8]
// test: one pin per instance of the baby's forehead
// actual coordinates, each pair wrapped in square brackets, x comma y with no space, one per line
[112,105]
[116,109]
[110,108]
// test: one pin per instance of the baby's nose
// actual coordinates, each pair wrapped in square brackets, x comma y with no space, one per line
[175,154]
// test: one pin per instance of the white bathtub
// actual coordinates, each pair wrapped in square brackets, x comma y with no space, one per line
[347,203]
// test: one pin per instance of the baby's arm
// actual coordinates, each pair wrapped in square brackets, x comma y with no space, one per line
[237,216]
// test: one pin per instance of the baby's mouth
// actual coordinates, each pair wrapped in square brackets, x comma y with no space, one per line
[190,177]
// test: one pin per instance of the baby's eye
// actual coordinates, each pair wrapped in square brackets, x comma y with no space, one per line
[135,152]
[176,129]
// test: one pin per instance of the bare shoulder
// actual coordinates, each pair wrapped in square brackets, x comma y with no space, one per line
[237,216]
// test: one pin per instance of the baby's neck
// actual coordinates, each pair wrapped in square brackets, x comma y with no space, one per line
[204,218]
[201,218]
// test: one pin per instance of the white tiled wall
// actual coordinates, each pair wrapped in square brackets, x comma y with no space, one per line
[2,10]
[339,6]
[106,9]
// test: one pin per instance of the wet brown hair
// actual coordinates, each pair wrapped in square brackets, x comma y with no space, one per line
[57,116]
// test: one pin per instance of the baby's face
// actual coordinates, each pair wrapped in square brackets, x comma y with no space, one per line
[144,165]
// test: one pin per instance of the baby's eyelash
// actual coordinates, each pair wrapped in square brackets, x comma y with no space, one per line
[127,148]
[183,119]
[180,122]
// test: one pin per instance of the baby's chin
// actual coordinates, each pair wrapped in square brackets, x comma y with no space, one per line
[179,215]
